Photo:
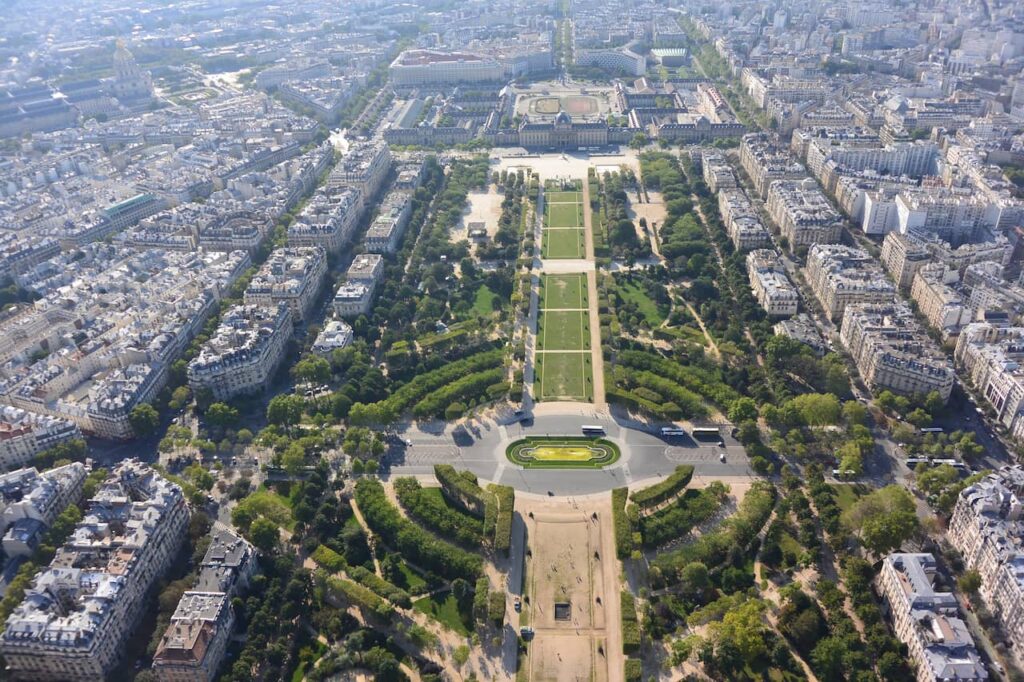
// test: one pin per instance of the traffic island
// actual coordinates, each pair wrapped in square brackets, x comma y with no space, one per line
[562,452]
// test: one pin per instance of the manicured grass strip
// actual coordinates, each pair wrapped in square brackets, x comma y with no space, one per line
[267,503]
[564,375]
[563,244]
[563,197]
[560,452]
[630,292]
[564,215]
[564,292]
[563,330]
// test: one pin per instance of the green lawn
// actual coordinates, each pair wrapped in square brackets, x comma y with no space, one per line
[445,612]
[483,304]
[563,330]
[564,376]
[414,582]
[562,197]
[564,215]
[633,293]
[563,243]
[564,291]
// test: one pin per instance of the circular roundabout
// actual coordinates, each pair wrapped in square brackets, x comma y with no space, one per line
[562,452]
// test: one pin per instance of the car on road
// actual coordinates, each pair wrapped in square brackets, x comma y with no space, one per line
[721,458]
[518,604]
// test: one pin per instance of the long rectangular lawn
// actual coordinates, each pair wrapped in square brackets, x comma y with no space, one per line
[564,215]
[564,375]
[563,330]
[563,244]
[564,291]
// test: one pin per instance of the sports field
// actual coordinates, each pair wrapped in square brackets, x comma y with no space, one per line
[563,225]
[564,330]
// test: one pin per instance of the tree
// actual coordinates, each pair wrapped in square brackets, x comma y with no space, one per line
[742,410]
[264,534]
[312,369]
[855,413]
[293,459]
[884,519]
[144,419]
[221,414]
[969,582]
[695,579]
[285,410]
[919,418]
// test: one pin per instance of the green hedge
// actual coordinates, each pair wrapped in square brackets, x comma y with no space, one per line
[677,520]
[704,382]
[711,549]
[630,624]
[496,608]
[659,492]
[394,594]
[417,545]
[355,594]
[634,670]
[505,496]
[435,514]
[481,593]
[465,387]
[461,488]
[620,521]
[329,559]
[424,384]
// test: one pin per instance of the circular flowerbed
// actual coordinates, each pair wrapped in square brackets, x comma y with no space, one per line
[562,452]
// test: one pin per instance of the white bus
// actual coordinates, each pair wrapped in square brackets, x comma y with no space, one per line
[707,433]
[592,430]
[933,429]
[670,431]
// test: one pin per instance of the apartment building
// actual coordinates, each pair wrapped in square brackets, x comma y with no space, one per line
[355,295]
[904,254]
[771,286]
[938,298]
[364,167]
[32,501]
[717,172]
[991,357]
[765,162]
[193,646]
[24,434]
[840,275]
[953,215]
[892,352]
[622,60]
[986,529]
[742,222]
[328,220]
[290,275]
[386,231]
[244,352]
[80,610]
[938,641]
[803,214]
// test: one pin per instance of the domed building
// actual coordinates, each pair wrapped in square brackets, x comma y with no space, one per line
[130,81]
[563,133]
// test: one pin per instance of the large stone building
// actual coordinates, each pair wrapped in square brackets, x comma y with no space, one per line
[291,275]
[803,214]
[986,529]
[562,133]
[840,275]
[244,352]
[193,646]
[25,434]
[771,287]
[927,621]
[741,220]
[892,352]
[79,611]
[991,358]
